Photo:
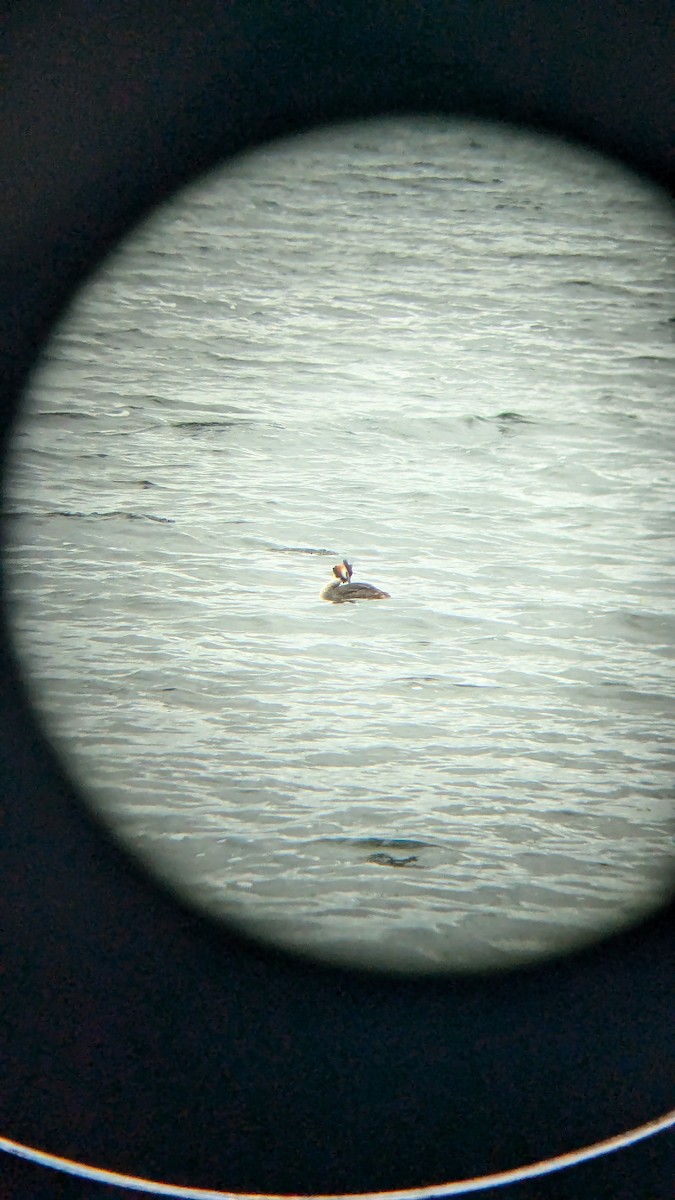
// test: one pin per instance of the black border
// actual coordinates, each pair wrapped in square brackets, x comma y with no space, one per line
[135,1035]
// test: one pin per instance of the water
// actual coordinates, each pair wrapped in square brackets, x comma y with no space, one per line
[445,352]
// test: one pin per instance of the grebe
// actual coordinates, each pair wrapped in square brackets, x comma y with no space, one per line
[343,591]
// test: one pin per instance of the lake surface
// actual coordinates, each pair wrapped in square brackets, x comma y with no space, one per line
[444,351]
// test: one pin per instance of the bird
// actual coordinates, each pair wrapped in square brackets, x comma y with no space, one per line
[341,590]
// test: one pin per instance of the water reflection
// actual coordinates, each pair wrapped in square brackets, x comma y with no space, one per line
[443,351]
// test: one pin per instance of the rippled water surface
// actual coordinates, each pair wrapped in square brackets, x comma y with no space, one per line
[444,352]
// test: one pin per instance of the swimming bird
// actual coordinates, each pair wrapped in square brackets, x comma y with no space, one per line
[342,591]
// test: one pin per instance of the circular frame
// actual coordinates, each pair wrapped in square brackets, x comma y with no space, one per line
[137,1035]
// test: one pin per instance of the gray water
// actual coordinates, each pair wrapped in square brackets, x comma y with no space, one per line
[445,352]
